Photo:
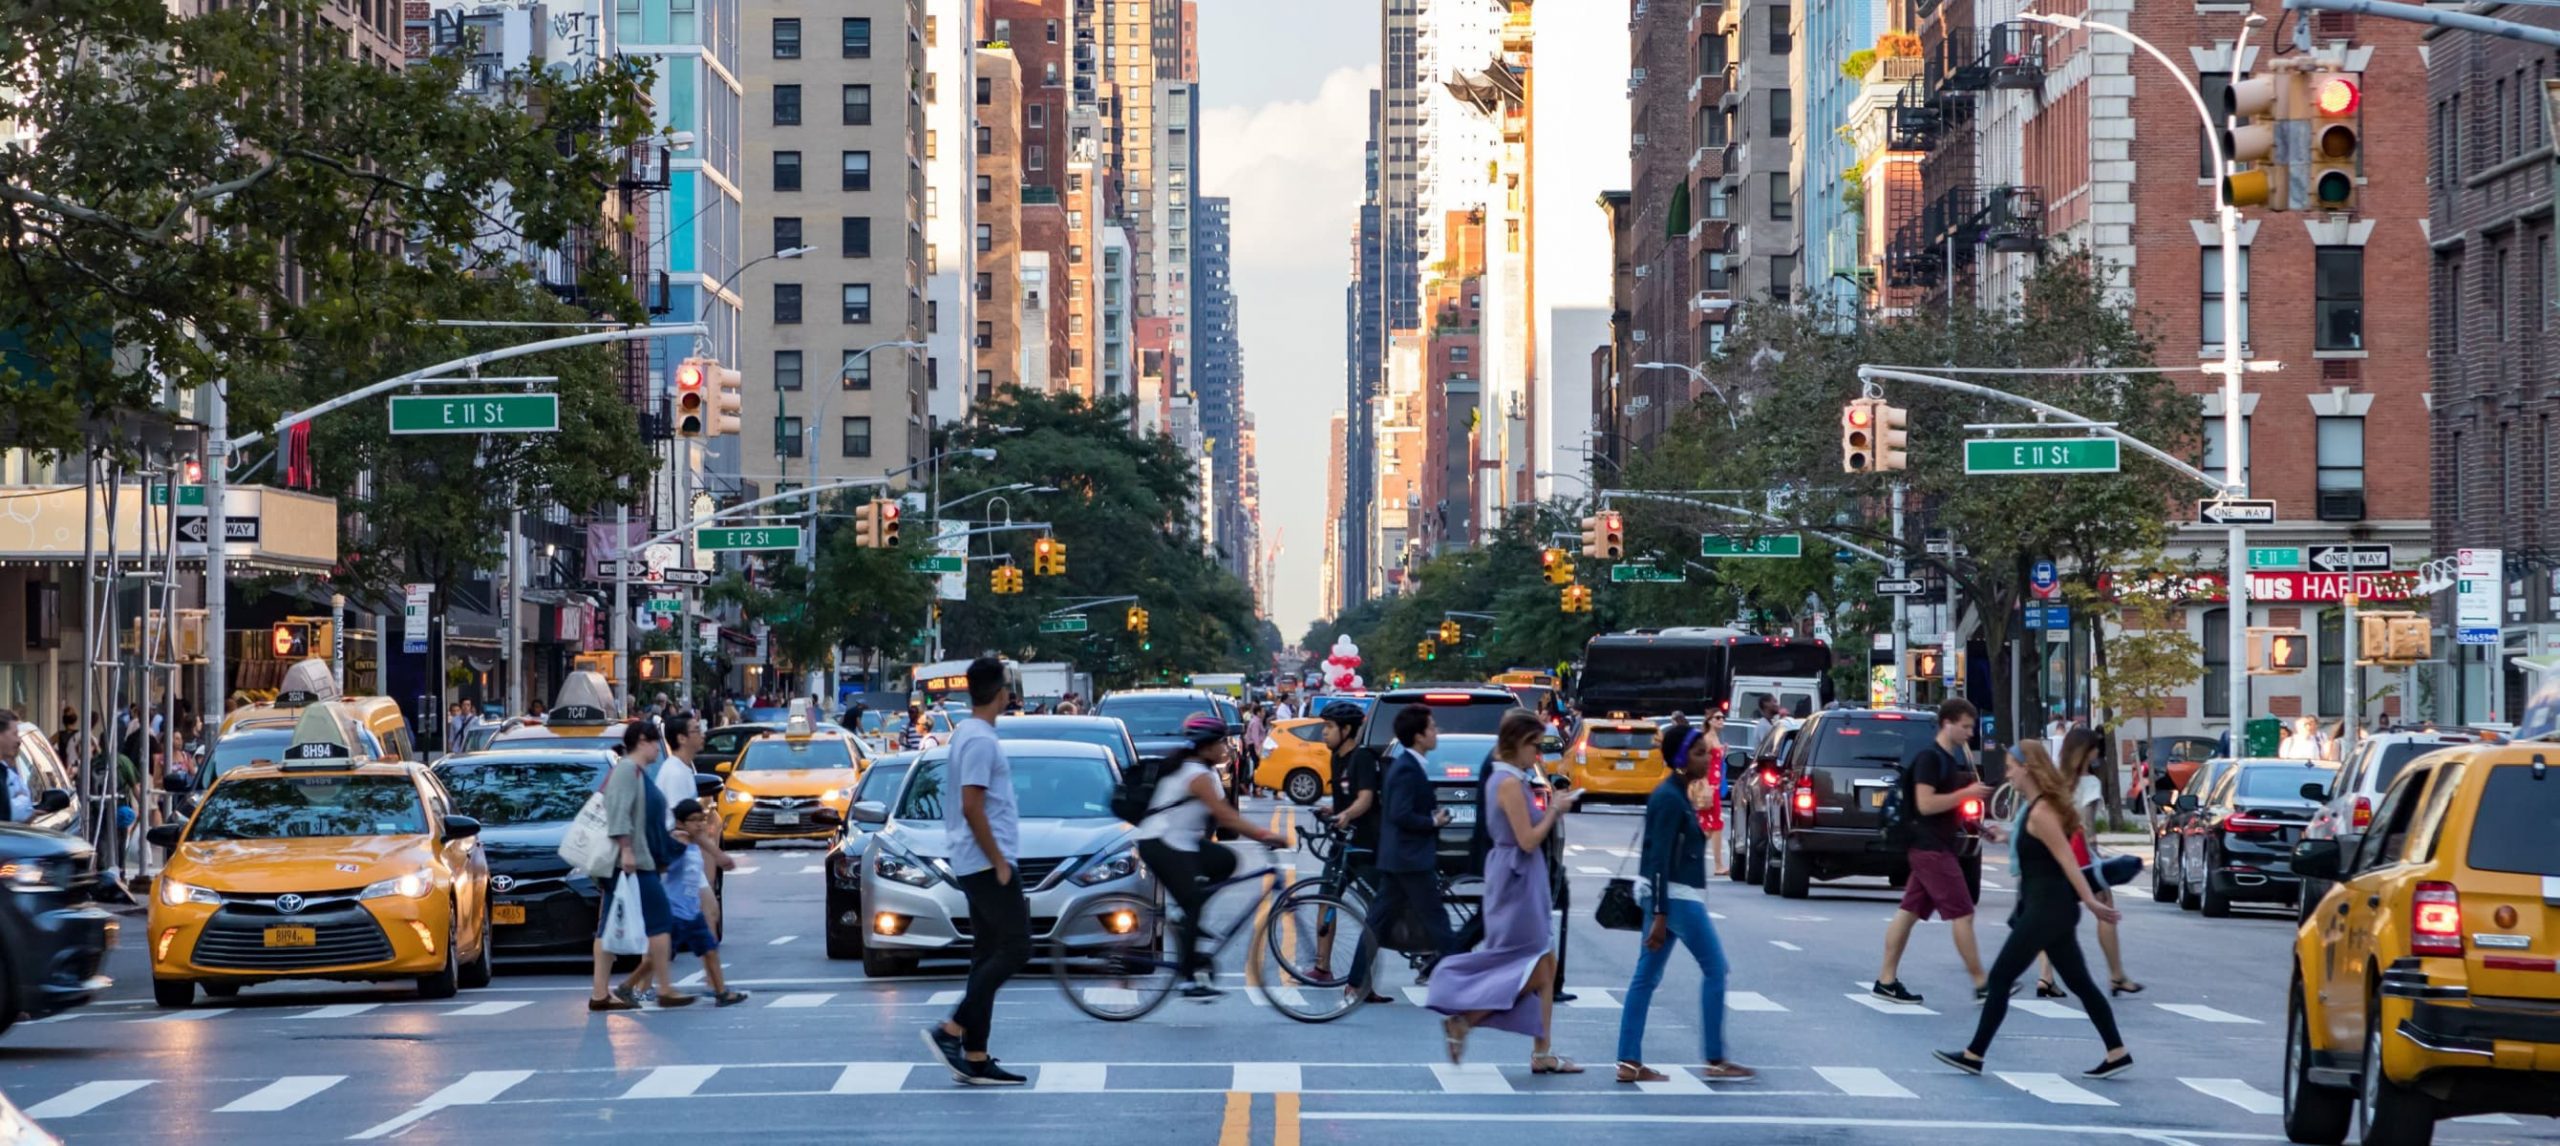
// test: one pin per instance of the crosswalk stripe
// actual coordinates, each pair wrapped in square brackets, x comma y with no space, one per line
[946,998]
[1418,996]
[801,1002]
[1862,1082]
[2237,1093]
[671,1082]
[2203,1013]
[1783,945]
[812,869]
[779,940]
[2048,1008]
[872,1078]
[85,1097]
[1873,1003]
[1071,1076]
[1589,869]
[478,1088]
[1294,998]
[745,869]
[1471,1078]
[336,1011]
[1593,998]
[2488,1120]
[492,1007]
[282,1093]
[1678,1080]
[1267,1078]
[187,1016]
[2052,1088]
[1750,1001]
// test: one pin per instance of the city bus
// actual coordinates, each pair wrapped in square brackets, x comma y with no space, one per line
[1657,672]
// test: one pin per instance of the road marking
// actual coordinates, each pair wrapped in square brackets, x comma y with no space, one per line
[2051,1088]
[2237,1093]
[1750,1001]
[946,998]
[1677,1080]
[1805,918]
[1873,1003]
[86,1097]
[1612,1115]
[1783,945]
[1470,1078]
[1862,1082]
[745,869]
[872,1078]
[779,940]
[813,869]
[493,1007]
[282,1093]
[801,1002]
[336,1011]
[1418,996]
[1588,869]
[1081,1077]
[187,1016]
[2206,1014]
[2489,1120]
[671,1082]
[1284,1119]
[1715,915]
[1594,998]
[2048,1008]
[1266,1077]
[1236,1129]
[1291,997]
[478,1088]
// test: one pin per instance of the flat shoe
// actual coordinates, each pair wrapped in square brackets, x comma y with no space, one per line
[665,1001]
[1638,1072]
[1553,1064]
[1728,1072]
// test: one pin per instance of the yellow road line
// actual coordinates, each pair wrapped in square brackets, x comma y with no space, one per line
[1238,1127]
[1284,1119]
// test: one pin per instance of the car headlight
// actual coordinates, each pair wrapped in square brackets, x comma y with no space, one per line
[734,796]
[843,795]
[174,892]
[1117,865]
[413,885]
[35,875]
[904,869]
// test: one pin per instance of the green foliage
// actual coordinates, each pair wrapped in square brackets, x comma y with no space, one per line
[1858,63]
[2153,659]
[855,596]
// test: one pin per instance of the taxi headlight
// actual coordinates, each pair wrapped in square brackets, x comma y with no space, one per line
[413,885]
[1117,865]
[904,869]
[174,892]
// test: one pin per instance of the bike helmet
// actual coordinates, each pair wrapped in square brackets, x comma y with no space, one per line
[1344,713]
[1203,729]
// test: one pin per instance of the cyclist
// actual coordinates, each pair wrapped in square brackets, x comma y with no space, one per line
[1357,778]
[1186,803]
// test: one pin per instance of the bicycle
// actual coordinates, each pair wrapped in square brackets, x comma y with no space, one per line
[1125,965]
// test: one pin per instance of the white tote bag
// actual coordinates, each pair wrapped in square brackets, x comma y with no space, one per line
[586,844]
[625,933]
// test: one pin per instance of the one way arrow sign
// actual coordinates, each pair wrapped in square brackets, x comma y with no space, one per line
[195,529]
[2350,558]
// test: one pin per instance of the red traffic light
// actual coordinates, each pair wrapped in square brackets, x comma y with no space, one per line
[1860,414]
[2336,95]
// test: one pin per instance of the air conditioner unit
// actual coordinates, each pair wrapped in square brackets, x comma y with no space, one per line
[2341,505]
[1638,337]
[1644,271]
[1640,139]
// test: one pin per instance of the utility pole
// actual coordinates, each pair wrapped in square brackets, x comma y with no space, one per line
[1901,606]
[217,579]
[512,614]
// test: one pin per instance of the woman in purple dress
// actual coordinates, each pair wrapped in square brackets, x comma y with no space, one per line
[1508,982]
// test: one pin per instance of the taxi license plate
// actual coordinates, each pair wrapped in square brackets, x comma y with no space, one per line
[1462,814]
[293,937]
[1626,765]
[786,819]
[506,913]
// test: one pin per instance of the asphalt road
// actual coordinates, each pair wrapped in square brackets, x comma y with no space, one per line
[823,1054]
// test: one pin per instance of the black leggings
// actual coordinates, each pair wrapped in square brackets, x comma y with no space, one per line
[1186,876]
[2052,930]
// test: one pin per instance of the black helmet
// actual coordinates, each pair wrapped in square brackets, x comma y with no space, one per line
[1344,713]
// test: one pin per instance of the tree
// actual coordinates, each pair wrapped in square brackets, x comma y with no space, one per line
[854,597]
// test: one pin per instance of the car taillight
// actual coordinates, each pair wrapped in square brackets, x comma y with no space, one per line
[2364,812]
[1446,698]
[2435,920]
[2247,825]
[1581,755]
[1768,777]
[1970,809]
[1804,797]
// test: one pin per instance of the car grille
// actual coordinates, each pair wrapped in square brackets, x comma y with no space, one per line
[345,934]
[1040,925]
[1035,873]
[759,819]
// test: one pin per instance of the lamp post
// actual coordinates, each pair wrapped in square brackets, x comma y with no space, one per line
[1700,376]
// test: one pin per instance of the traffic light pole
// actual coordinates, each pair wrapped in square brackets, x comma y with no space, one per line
[1901,607]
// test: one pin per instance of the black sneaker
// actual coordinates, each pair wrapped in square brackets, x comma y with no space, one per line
[946,1046]
[989,1074]
[1202,989]
[2111,1068]
[1959,1060]
[1982,994]
[1895,992]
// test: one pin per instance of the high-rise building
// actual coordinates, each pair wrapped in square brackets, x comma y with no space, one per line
[1455,145]
[1055,51]
[1000,293]
[1677,220]
[1365,335]
[1828,35]
[1399,122]
[954,189]
[1218,378]
[1507,443]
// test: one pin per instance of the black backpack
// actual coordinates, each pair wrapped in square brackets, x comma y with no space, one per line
[1896,822]
[1134,799]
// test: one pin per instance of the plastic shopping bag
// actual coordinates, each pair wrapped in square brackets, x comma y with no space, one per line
[624,931]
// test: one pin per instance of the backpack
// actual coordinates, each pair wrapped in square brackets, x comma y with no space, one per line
[1896,822]
[1134,800]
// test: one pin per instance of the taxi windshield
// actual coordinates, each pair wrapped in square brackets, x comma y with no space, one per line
[309,807]
[519,791]
[777,754]
[244,747]
[1624,739]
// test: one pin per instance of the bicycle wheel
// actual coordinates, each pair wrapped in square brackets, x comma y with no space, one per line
[2004,803]
[1303,955]
[1114,959]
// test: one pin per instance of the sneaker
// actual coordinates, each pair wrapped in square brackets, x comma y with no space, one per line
[1982,994]
[989,1074]
[2111,1068]
[1895,992]
[946,1046]
[625,994]
[1566,996]
[1959,1060]
[1203,989]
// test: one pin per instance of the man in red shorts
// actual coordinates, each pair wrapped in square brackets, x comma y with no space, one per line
[1942,779]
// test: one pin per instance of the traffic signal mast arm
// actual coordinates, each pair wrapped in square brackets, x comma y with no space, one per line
[1682,499]
[1871,375]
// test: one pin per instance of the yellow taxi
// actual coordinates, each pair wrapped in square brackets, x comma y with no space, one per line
[326,864]
[2426,983]
[1617,756]
[1295,762]
[794,784]
[259,731]
[581,716]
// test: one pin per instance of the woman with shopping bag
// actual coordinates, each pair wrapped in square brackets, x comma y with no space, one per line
[635,819]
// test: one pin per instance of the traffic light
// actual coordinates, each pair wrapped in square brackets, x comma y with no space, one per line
[2260,110]
[887,519]
[2336,101]
[721,401]
[1858,436]
[692,407]
[1048,557]
[1574,599]
[1134,613]
[1005,579]
[2393,639]
[1604,535]
[2413,639]
[656,667]
[606,665]
[1927,664]
[290,640]
[1450,633]
[1558,564]
[866,525]
[1893,436]
[2278,652]
[1426,651]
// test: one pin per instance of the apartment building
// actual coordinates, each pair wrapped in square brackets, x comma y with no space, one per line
[999,293]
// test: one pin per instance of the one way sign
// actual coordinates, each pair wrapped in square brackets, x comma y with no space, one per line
[2350,558]
[194,529]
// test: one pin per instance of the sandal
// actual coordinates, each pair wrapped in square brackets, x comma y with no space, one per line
[1728,1071]
[1453,1031]
[1630,1071]
[1553,1064]
[2124,987]
[2046,990]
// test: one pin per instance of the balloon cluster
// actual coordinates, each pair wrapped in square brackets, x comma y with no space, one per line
[1342,665]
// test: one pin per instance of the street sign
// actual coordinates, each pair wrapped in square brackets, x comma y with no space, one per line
[193,529]
[2042,456]
[2284,557]
[1765,545]
[685,576]
[2350,558]
[2237,511]
[2477,574]
[1062,624]
[939,564]
[413,617]
[475,413]
[610,570]
[1647,574]
[731,538]
[666,605]
[2044,579]
[187,495]
[2048,617]
[1898,587]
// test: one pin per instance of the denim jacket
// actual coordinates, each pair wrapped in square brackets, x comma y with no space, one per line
[1675,848]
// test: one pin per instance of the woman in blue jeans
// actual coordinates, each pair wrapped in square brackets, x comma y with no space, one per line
[1673,874]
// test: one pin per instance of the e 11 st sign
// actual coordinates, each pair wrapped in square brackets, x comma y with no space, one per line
[475,413]
[729,539]
[1765,545]
[2043,456]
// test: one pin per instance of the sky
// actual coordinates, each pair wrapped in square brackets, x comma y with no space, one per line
[1285,89]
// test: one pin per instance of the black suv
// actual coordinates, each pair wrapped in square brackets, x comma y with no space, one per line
[1822,817]
[1467,711]
[53,934]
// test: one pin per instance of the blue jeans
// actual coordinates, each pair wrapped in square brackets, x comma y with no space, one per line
[1691,929]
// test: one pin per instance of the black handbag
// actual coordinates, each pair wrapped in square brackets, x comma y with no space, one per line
[1618,909]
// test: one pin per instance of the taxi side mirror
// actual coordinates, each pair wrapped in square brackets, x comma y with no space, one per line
[164,836]
[725,767]
[705,786]
[57,799]
[2316,858]
[871,812]
[460,828]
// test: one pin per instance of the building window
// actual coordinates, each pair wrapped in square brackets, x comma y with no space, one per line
[786,304]
[2541,280]
[786,370]
[2212,85]
[986,238]
[786,233]
[2211,309]
[1458,354]
[857,171]
[986,286]
[1049,73]
[2498,293]
[1782,200]
[986,383]
[986,90]
[1037,158]
[786,39]
[1004,32]
[786,171]
[1075,252]
[857,303]
[1715,339]
[1719,200]
[986,336]
[2213,461]
[2338,288]
[2341,457]
[857,437]
[1717,274]
[986,189]
[2217,663]
[857,237]
[1712,54]
[1781,41]
[1782,113]
[2333,662]
[986,141]
[1036,116]
[786,105]
[932,145]
[1782,277]
[856,374]
[857,105]
[857,37]
[787,438]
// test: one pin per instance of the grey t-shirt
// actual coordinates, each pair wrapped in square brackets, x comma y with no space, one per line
[978,761]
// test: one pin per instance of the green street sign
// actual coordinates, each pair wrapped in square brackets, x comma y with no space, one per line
[2042,456]
[669,605]
[475,413]
[1062,625]
[946,563]
[725,539]
[2280,557]
[1647,574]
[187,495]
[1765,545]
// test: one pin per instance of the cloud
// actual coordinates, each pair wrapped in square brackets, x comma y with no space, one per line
[1294,170]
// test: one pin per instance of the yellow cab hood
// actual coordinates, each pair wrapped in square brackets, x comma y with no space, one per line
[305,865]
[791,781]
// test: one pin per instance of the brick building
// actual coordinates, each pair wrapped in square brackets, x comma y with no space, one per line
[998,235]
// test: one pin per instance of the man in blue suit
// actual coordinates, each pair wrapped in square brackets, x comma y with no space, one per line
[1408,844]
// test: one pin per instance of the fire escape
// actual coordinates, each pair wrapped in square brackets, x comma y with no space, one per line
[1947,216]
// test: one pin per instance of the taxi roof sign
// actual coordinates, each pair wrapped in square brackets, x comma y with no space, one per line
[324,737]
[309,681]
[585,698]
[803,720]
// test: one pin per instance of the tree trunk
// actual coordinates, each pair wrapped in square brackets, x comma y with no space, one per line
[2102,721]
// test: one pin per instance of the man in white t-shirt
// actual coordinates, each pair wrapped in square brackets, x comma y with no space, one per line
[984,827]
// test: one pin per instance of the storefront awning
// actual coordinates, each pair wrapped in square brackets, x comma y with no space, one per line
[272,530]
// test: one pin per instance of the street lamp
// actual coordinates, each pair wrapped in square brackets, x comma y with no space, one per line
[1701,377]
